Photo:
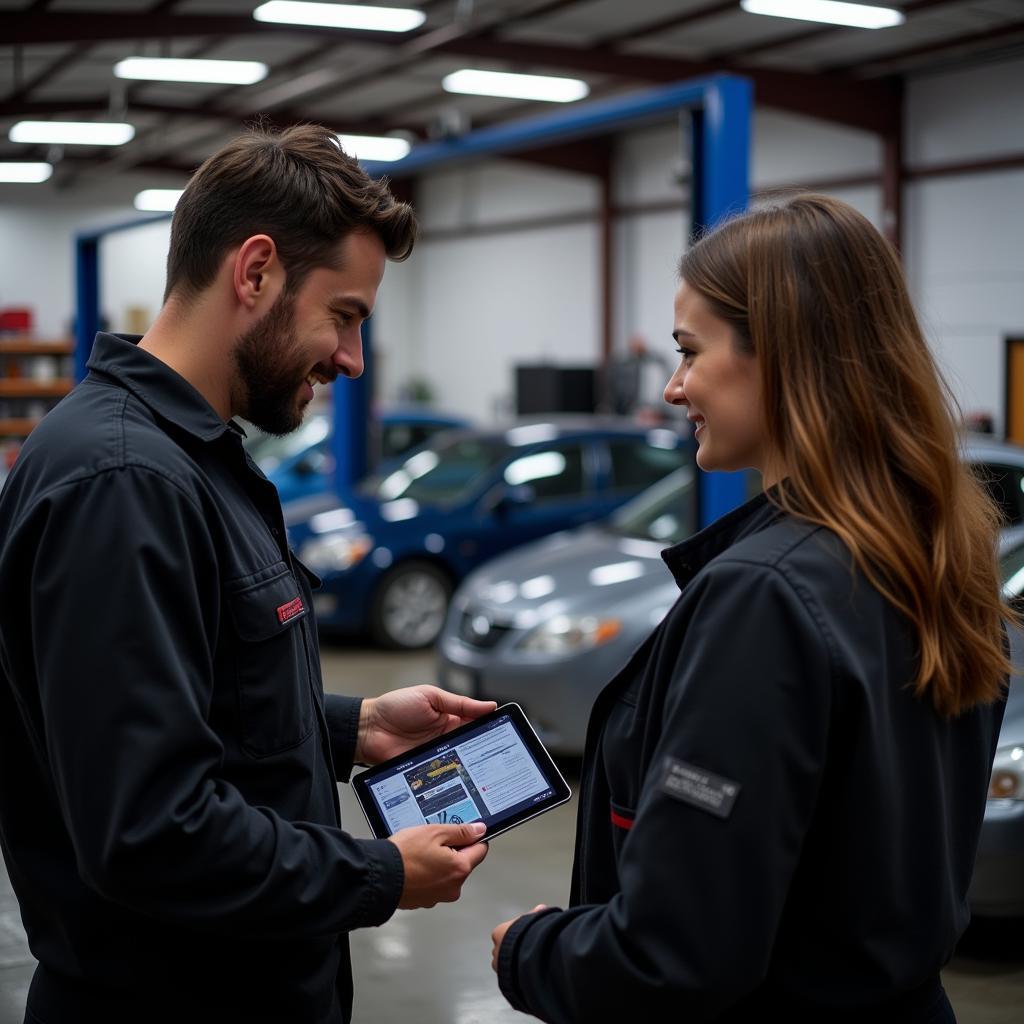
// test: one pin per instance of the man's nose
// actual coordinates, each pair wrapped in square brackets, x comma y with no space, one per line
[348,358]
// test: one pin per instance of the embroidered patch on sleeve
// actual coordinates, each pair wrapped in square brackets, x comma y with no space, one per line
[698,787]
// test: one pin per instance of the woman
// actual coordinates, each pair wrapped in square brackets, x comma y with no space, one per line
[782,792]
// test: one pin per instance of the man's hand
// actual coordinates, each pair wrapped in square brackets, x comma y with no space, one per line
[437,860]
[498,935]
[392,723]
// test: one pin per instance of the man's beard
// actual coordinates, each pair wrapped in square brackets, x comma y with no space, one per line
[269,374]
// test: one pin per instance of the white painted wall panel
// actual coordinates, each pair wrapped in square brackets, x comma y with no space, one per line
[37,259]
[790,149]
[965,115]
[497,191]
[484,305]
[966,270]
[133,271]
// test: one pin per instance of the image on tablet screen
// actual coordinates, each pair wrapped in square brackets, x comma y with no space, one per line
[486,775]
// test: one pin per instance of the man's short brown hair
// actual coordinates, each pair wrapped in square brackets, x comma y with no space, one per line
[298,187]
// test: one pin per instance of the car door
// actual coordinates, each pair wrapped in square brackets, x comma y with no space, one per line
[632,464]
[547,488]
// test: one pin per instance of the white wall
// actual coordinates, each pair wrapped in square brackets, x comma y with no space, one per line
[963,234]
[485,303]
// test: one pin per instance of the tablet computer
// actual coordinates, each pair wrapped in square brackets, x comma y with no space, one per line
[494,770]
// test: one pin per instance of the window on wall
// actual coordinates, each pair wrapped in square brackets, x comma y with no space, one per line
[552,473]
[635,464]
[1006,485]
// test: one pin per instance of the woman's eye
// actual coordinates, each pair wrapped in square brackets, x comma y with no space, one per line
[686,353]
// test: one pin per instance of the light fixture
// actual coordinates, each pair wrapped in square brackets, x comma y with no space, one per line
[374,147]
[372,19]
[158,199]
[177,69]
[520,87]
[25,173]
[73,133]
[831,12]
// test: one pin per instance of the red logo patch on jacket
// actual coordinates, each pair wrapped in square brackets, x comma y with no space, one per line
[290,610]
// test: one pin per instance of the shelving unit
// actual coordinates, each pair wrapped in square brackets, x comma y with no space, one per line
[24,396]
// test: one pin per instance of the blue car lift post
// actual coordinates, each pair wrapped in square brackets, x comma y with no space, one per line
[720,108]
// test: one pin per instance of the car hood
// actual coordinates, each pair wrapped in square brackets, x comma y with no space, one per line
[582,571]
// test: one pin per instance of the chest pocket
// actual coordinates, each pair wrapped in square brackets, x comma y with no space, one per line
[271,660]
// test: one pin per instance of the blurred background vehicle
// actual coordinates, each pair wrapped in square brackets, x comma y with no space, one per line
[997,886]
[549,624]
[301,464]
[392,554]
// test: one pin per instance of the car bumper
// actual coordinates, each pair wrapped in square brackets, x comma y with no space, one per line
[556,695]
[997,886]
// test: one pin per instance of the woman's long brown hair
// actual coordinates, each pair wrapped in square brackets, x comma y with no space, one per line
[864,426]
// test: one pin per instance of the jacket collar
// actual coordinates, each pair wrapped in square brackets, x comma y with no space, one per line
[687,558]
[155,384]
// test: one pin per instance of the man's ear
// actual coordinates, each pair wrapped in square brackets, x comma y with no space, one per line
[257,274]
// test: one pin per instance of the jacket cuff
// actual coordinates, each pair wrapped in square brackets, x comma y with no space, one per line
[342,715]
[508,974]
[384,883]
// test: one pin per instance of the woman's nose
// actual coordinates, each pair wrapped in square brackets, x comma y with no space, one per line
[674,393]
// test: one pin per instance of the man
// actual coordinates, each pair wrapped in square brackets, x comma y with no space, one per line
[637,382]
[168,809]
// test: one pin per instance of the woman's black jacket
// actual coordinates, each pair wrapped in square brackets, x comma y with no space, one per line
[769,818]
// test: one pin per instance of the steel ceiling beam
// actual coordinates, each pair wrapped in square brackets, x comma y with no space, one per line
[806,35]
[886,62]
[863,105]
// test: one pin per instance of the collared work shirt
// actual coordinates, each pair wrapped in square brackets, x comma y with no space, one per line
[168,806]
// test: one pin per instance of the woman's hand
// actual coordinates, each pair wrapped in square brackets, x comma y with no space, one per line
[498,935]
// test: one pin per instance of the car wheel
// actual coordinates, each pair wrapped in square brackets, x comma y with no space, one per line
[409,606]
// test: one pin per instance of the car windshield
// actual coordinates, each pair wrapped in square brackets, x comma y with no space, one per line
[268,451]
[663,513]
[445,474]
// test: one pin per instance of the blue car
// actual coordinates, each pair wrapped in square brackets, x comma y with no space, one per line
[391,557]
[300,464]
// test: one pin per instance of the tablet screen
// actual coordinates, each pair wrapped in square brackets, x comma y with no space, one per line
[493,770]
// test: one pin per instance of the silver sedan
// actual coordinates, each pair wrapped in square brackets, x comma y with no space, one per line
[548,624]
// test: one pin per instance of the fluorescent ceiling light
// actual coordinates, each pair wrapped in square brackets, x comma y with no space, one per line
[25,173]
[72,133]
[159,199]
[175,69]
[373,19]
[831,12]
[520,87]
[374,147]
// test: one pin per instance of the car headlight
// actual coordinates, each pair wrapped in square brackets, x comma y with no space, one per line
[1007,782]
[569,634]
[336,552]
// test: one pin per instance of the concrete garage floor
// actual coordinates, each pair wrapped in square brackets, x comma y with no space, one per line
[433,966]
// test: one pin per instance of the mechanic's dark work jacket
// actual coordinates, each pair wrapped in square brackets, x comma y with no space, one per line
[168,809]
[771,825]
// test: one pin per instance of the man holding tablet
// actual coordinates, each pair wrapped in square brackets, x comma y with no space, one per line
[168,759]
